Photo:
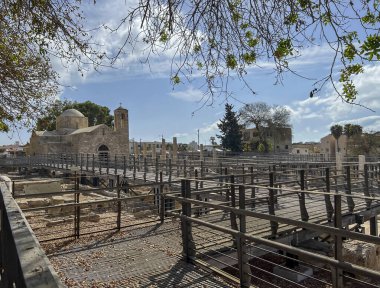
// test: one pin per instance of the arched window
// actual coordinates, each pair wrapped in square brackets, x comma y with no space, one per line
[103,153]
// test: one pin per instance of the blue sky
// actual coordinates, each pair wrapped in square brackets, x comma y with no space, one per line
[157,108]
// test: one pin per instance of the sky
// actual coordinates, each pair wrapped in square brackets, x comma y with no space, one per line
[157,109]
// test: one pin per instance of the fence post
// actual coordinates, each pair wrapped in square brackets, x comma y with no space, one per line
[184,168]
[197,212]
[366,186]
[162,199]
[118,220]
[329,207]
[187,237]
[337,273]
[124,165]
[273,224]
[115,165]
[233,203]
[301,196]
[253,189]
[202,174]
[156,169]
[134,167]
[170,171]
[244,270]
[93,163]
[77,207]
[145,169]
[350,200]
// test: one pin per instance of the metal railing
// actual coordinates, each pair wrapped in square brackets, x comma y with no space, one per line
[223,236]
[22,261]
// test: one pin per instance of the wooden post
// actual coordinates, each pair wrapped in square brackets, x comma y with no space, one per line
[108,165]
[202,174]
[337,273]
[329,207]
[93,163]
[115,165]
[350,200]
[301,196]
[373,230]
[170,171]
[77,208]
[244,269]
[134,167]
[273,224]
[118,220]
[184,168]
[197,212]
[366,186]
[86,161]
[233,203]
[253,189]
[162,199]
[156,169]
[13,189]
[145,169]
[186,227]
[124,165]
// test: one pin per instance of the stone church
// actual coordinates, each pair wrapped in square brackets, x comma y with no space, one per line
[74,136]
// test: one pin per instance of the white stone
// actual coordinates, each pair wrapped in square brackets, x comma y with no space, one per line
[362,253]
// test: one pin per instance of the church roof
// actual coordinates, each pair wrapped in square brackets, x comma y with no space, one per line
[87,129]
[72,113]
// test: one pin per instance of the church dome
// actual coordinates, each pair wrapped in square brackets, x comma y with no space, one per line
[71,119]
[72,113]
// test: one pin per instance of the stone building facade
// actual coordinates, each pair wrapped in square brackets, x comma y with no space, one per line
[74,136]
[279,138]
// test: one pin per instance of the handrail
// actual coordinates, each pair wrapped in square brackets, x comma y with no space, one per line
[23,263]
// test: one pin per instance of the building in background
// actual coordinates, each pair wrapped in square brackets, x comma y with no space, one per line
[280,139]
[74,136]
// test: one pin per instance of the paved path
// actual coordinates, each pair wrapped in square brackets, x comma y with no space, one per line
[142,257]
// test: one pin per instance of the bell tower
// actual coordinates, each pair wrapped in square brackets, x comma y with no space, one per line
[121,120]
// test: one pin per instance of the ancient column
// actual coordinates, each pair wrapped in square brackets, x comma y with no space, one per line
[201,152]
[154,153]
[339,162]
[361,165]
[163,150]
[214,156]
[144,150]
[175,149]
[135,150]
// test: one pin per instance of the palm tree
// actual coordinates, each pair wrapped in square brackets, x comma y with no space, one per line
[336,132]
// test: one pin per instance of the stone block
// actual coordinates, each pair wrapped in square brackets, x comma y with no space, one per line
[23,204]
[362,253]
[38,202]
[42,187]
[54,211]
[56,200]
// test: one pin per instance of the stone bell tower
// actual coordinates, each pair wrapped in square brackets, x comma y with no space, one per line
[121,120]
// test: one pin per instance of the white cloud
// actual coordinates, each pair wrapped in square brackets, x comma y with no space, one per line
[327,109]
[211,128]
[191,94]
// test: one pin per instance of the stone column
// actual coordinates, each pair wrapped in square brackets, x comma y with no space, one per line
[154,153]
[175,149]
[339,162]
[163,150]
[201,152]
[135,150]
[144,150]
[361,165]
